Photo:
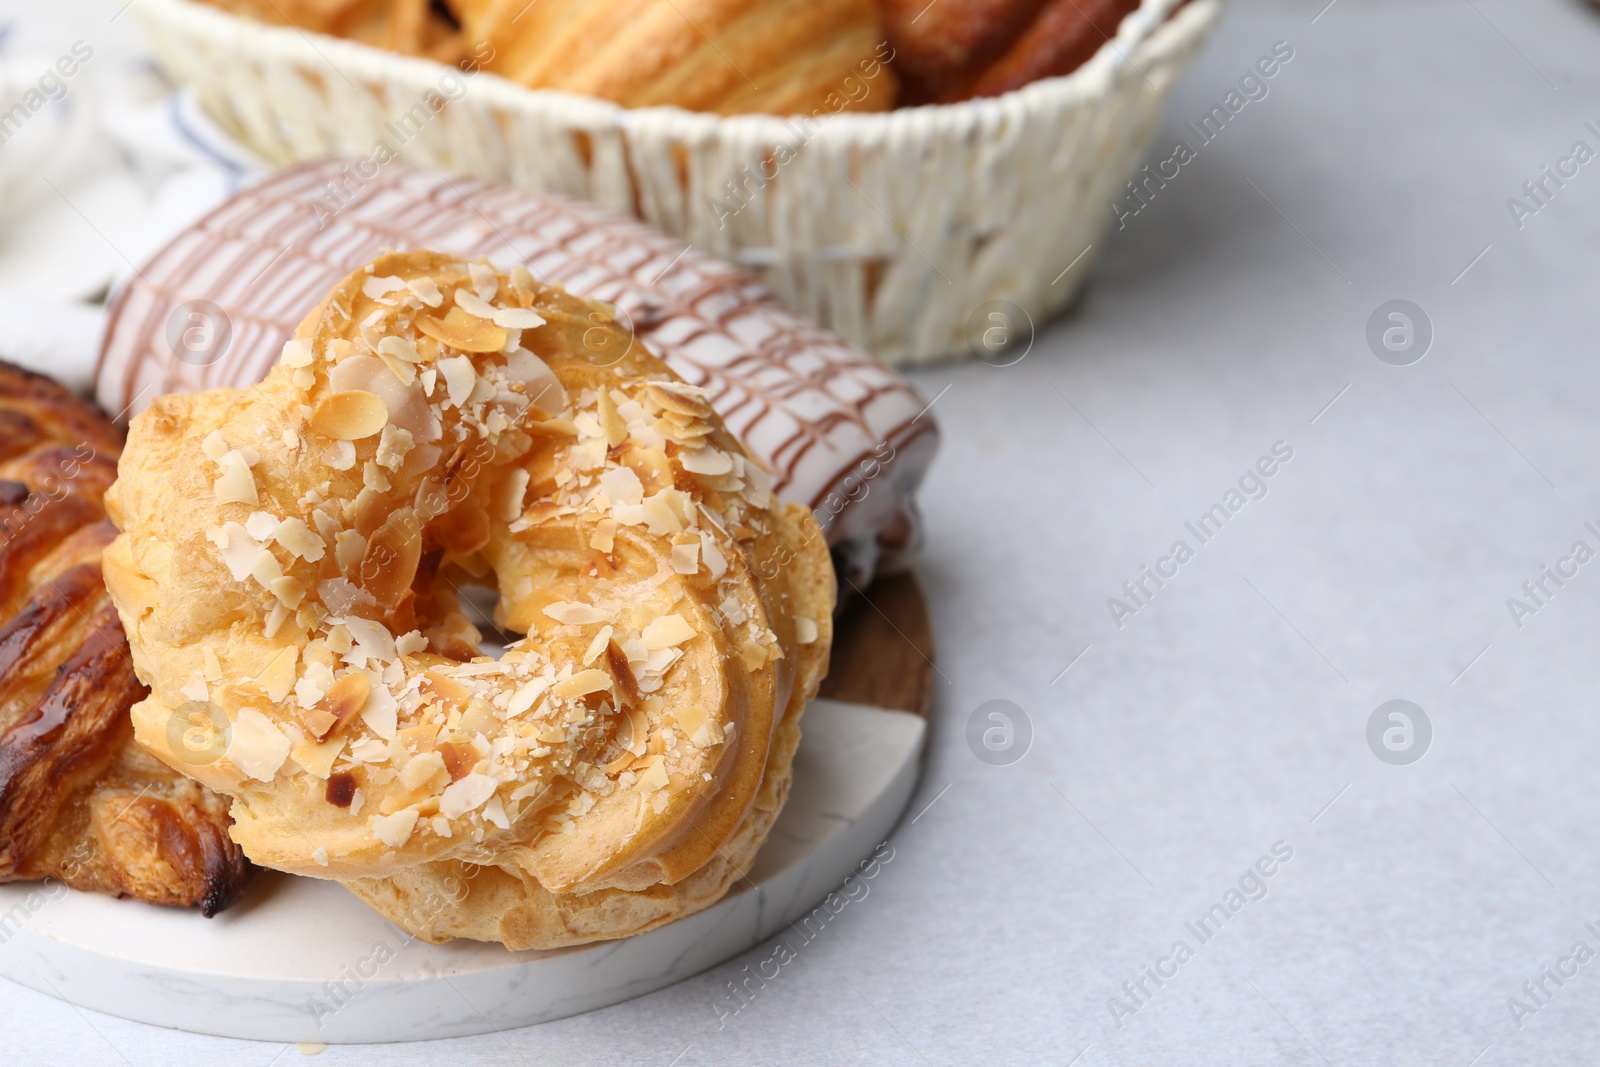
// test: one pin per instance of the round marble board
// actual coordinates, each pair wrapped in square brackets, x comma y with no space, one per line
[302,960]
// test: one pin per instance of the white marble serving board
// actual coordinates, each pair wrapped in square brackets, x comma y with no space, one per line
[302,960]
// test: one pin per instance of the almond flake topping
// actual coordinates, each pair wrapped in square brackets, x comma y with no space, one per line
[297,352]
[426,290]
[667,632]
[297,537]
[576,614]
[236,485]
[686,558]
[376,287]
[257,747]
[393,830]
[459,378]
[467,795]
[707,461]
[517,318]
[350,416]
[582,683]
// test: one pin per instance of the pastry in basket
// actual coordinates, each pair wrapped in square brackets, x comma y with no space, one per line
[79,801]
[775,56]
[729,56]
[290,561]
[411,27]
[955,50]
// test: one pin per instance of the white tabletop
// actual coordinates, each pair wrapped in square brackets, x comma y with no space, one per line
[1229,712]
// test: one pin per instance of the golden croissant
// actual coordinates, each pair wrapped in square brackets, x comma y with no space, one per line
[80,803]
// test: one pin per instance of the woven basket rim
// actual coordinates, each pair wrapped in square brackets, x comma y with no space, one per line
[1144,32]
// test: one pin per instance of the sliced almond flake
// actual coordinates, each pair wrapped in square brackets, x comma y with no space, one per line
[588,425]
[381,712]
[339,638]
[659,516]
[237,548]
[288,590]
[686,558]
[509,493]
[236,485]
[405,372]
[290,439]
[215,446]
[805,630]
[381,285]
[350,415]
[295,536]
[588,455]
[707,461]
[622,486]
[716,563]
[394,829]
[422,769]
[474,305]
[604,537]
[525,697]
[261,525]
[410,644]
[627,514]
[666,632]
[303,378]
[372,477]
[399,348]
[659,660]
[471,792]
[518,318]
[428,378]
[732,610]
[575,614]
[582,683]
[196,690]
[394,444]
[459,378]
[426,290]
[264,568]
[602,639]
[213,665]
[341,455]
[374,638]
[341,597]
[654,777]
[275,620]
[485,279]
[278,676]
[495,812]
[372,750]
[339,348]
[634,649]
[256,746]
[349,549]
[317,759]
[441,826]
[297,352]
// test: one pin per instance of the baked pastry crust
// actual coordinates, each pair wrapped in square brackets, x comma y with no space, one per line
[79,801]
[956,50]
[729,56]
[288,561]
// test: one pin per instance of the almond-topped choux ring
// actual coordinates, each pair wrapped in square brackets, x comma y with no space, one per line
[290,559]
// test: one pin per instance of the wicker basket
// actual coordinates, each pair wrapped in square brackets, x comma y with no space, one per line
[890,228]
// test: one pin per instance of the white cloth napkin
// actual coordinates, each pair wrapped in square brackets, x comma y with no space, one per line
[93,181]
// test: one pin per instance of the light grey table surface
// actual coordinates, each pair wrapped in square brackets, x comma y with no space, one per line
[1230,711]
